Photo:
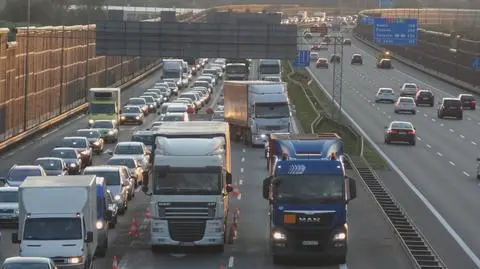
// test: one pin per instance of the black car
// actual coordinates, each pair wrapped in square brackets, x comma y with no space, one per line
[424,97]
[468,101]
[385,64]
[400,131]
[357,59]
[335,58]
[94,137]
[347,42]
[450,107]
[71,157]
[132,114]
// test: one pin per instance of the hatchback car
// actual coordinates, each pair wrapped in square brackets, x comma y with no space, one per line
[82,146]
[94,138]
[405,104]
[136,150]
[9,209]
[314,56]
[400,131]
[468,101]
[450,107]
[425,97]
[409,89]
[385,64]
[18,173]
[322,63]
[139,102]
[107,129]
[53,166]
[356,59]
[385,95]
[132,114]
[71,157]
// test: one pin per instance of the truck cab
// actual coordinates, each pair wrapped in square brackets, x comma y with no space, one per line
[308,208]
[269,68]
[104,104]
[173,69]
[237,71]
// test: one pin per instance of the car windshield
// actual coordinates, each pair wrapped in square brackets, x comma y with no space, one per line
[401,125]
[236,69]
[130,163]
[269,69]
[53,229]
[357,57]
[173,118]
[210,71]
[171,84]
[74,143]
[206,79]
[467,97]
[88,134]
[200,84]
[103,125]
[194,183]
[406,100]
[8,196]
[452,103]
[26,265]
[410,86]
[309,188]
[112,178]
[272,110]
[176,109]
[49,164]
[149,99]
[20,174]
[189,96]
[128,149]
[425,94]
[136,101]
[132,109]
[95,108]
[171,74]
[145,139]
[63,154]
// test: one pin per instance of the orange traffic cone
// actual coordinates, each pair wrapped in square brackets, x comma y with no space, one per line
[148,215]
[114,263]
[134,228]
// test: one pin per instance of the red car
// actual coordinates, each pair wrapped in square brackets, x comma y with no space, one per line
[322,63]
[315,47]
[468,101]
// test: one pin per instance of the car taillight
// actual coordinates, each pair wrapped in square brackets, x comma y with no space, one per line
[474,102]
[411,132]
[392,132]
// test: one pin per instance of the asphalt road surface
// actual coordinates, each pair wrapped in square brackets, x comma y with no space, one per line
[372,243]
[442,165]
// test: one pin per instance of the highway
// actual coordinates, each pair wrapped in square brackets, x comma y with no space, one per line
[442,165]
[372,244]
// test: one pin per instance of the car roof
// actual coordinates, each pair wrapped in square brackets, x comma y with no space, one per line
[176,114]
[409,83]
[143,132]
[130,106]
[64,148]
[27,166]
[129,143]
[102,168]
[88,130]
[49,158]
[400,122]
[26,260]
[104,121]
[177,104]
[466,94]
[356,54]
[385,89]
[405,98]
[450,99]
[122,157]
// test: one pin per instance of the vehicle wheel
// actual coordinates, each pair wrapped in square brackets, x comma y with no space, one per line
[413,142]
[414,112]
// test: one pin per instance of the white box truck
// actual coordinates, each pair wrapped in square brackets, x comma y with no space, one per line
[57,219]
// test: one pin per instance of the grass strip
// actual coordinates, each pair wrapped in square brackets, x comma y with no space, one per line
[306,114]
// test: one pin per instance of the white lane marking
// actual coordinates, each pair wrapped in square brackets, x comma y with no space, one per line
[243,159]
[469,118]
[439,154]
[240,182]
[468,175]
[428,146]
[231,261]
[405,179]
[418,111]
[49,133]
[239,197]
[419,138]
[441,124]
[452,131]
[425,115]
[22,147]
[452,163]
[434,120]
[243,150]
[462,137]
[474,143]
[241,170]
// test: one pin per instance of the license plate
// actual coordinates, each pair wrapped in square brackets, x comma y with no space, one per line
[310,243]
[186,244]
[402,132]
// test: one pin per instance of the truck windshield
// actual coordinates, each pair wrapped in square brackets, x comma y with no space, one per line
[236,69]
[102,108]
[269,69]
[24,265]
[171,74]
[192,183]
[309,188]
[272,111]
[53,229]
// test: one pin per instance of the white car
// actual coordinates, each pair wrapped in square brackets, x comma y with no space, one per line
[405,104]
[385,95]
[314,56]
[409,89]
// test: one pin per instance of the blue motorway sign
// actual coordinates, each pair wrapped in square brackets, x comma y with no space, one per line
[395,31]
[386,3]
[303,59]
[476,64]
[367,20]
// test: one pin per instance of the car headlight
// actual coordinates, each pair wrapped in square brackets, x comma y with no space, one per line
[340,236]
[110,132]
[263,136]
[75,260]
[85,152]
[179,83]
[279,236]
[193,69]
[99,224]
[91,121]
[123,117]
[73,165]
[17,212]
[144,108]
[165,98]
[117,197]
[137,117]
[96,143]
[111,207]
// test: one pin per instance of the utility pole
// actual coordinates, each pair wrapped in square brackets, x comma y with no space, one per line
[337,77]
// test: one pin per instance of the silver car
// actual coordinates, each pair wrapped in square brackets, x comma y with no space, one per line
[385,95]
[408,89]
[405,104]
[107,129]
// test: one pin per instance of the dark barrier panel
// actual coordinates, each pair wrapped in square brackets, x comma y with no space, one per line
[238,18]
[115,15]
[212,40]
[444,53]
[168,16]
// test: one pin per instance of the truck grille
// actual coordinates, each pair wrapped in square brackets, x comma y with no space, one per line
[186,210]
[6,211]
[317,220]
[186,230]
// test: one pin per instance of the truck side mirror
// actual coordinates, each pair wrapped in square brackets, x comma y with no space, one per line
[266,187]
[229,178]
[352,188]
[15,238]
[89,237]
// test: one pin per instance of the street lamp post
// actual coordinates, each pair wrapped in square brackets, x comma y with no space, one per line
[26,73]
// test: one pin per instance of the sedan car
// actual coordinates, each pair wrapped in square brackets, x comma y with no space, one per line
[172,85]
[94,138]
[425,97]
[176,117]
[9,205]
[53,166]
[151,103]
[164,91]
[409,89]
[136,169]
[140,102]
[385,64]
[28,262]
[132,114]
[18,173]
[322,63]
[82,146]
[71,157]
[400,131]
[357,59]
[159,99]
[450,107]
[385,95]
[468,101]
[405,104]
[195,99]
[107,129]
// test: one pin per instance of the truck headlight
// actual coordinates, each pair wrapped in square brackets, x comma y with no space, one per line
[75,260]
[279,236]
[91,122]
[150,106]
[117,197]
[179,83]
[263,136]
[99,224]
[110,132]
[137,117]
[340,236]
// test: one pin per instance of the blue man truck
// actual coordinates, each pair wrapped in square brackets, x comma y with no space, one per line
[308,192]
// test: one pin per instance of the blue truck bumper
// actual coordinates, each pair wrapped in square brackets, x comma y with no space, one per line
[286,249]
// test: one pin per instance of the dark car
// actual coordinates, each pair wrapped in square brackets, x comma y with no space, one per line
[384,64]
[94,137]
[151,102]
[347,42]
[357,59]
[71,157]
[468,101]
[82,146]
[450,107]
[18,173]
[335,58]
[400,131]
[132,114]
[424,97]
[136,169]
[52,166]
[322,63]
